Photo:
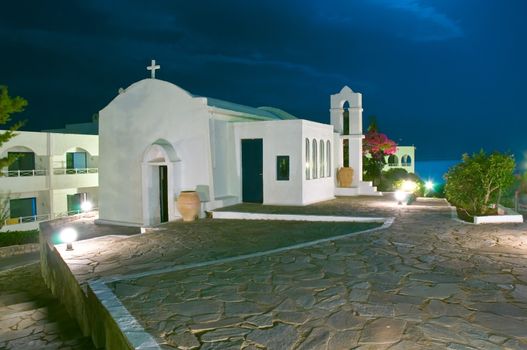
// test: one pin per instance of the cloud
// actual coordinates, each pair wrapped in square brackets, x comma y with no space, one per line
[448,27]
[258,60]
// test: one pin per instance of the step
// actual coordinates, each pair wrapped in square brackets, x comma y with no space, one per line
[13,298]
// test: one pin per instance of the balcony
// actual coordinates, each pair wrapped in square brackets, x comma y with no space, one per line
[37,180]
[75,178]
[24,180]
[67,171]
[24,223]
[16,173]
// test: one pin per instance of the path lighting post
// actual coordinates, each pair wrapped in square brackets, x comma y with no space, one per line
[68,236]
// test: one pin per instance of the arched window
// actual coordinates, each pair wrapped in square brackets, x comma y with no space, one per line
[406,160]
[322,162]
[314,164]
[328,158]
[393,160]
[346,118]
[308,160]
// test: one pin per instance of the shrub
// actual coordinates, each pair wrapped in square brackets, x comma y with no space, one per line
[393,178]
[478,181]
[18,237]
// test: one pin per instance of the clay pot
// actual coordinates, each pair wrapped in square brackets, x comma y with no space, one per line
[189,205]
[345,176]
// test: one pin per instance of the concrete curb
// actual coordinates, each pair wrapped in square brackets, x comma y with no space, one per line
[292,217]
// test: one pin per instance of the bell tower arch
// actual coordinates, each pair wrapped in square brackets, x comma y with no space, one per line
[348,105]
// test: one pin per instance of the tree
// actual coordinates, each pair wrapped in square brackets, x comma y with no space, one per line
[8,106]
[477,182]
[375,147]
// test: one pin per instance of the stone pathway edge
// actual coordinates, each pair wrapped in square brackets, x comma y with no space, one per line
[135,334]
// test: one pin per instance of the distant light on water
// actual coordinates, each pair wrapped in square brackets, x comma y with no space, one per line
[434,170]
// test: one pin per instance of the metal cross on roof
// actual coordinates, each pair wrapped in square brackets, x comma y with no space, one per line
[153,67]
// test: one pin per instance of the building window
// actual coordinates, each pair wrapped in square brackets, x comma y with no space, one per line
[328,158]
[76,161]
[75,202]
[24,208]
[393,160]
[314,164]
[282,168]
[308,161]
[23,165]
[406,160]
[322,160]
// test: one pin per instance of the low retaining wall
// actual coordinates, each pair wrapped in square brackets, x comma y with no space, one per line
[18,249]
[292,217]
[80,301]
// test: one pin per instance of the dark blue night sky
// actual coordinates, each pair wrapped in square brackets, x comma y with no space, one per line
[447,76]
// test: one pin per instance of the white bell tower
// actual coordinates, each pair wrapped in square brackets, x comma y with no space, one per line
[348,104]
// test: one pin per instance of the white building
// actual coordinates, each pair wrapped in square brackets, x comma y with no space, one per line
[157,140]
[53,175]
[404,158]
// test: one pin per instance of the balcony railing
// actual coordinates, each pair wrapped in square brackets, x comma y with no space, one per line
[15,173]
[63,171]
[25,219]
[43,217]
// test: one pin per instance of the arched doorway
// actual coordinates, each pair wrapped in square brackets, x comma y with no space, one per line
[161,176]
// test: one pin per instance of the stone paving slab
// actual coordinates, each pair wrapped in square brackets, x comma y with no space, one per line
[30,318]
[181,243]
[427,282]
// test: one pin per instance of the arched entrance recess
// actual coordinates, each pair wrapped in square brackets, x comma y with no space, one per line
[161,178]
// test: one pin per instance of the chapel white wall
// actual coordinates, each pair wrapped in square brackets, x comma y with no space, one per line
[321,188]
[287,138]
[147,111]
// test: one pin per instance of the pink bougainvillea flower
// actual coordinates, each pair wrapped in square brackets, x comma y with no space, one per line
[378,145]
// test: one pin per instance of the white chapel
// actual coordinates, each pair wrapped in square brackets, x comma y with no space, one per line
[157,140]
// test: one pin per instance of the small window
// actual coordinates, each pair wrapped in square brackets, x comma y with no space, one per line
[308,160]
[406,160]
[322,160]
[328,158]
[282,168]
[315,160]
[393,160]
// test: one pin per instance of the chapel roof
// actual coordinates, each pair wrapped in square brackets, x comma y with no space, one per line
[259,112]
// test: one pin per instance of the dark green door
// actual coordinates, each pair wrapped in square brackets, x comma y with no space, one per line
[75,201]
[22,207]
[163,193]
[252,170]
[76,160]
[23,165]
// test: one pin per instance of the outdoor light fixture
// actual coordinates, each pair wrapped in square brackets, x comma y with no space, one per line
[408,186]
[429,185]
[68,235]
[400,196]
[86,206]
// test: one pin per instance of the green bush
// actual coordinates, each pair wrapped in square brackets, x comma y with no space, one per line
[391,179]
[18,237]
[479,181]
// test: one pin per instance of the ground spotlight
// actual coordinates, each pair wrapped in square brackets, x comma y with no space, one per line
[68,236]
[86,206]
[400,196]
[429,185]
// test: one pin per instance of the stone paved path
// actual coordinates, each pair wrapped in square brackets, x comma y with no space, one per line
[180,243]
[30,318]
[427,282]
